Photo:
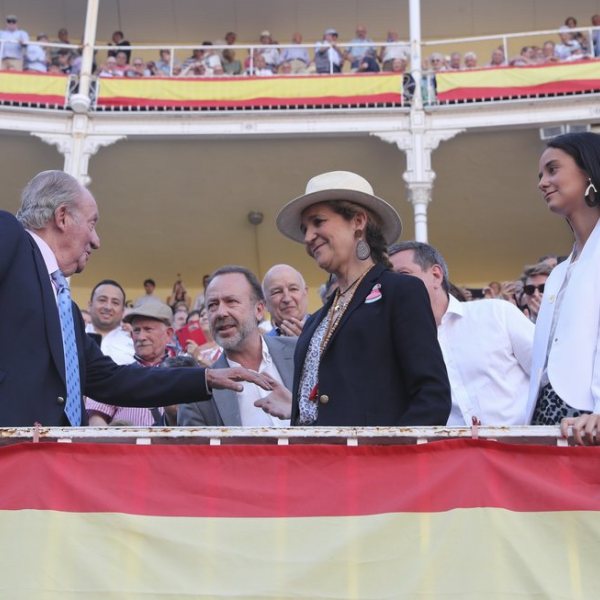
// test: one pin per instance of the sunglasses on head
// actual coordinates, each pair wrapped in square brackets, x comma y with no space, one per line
[530,289]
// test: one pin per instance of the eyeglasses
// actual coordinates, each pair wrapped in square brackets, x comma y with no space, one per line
[530,289]
[11,20]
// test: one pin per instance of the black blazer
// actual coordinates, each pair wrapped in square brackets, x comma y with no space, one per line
[383,364]
[32,370]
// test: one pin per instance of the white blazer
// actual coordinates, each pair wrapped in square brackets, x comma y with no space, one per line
[574,361]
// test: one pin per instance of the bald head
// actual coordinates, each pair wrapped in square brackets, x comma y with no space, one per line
[285,293]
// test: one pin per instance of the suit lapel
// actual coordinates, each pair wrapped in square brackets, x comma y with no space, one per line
[226,401]
[51,318]
[283,358]
[363,290]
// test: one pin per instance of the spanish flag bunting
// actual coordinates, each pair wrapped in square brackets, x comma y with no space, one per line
[31,87]
[458,519]
[510,82]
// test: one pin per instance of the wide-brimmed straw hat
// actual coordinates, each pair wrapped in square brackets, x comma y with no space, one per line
[338,185]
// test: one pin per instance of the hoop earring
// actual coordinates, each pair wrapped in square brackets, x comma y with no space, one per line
[590,195]
[363,250]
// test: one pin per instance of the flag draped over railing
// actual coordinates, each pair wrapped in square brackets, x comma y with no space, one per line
[448,519]
[33,88]
[515,82]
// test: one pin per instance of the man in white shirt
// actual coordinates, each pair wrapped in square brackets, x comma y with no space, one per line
[13,42]
[486,344]
[235,306]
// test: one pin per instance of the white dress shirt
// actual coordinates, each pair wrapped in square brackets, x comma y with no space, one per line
[487,347]
[252,416]
[117,344]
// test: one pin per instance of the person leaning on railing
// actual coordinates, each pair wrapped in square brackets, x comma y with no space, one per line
[565,381]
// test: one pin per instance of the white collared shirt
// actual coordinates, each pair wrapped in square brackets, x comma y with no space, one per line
[252,416]
[487,346]
[48,256]
[117,344]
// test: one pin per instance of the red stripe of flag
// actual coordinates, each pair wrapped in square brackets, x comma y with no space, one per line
[297,480]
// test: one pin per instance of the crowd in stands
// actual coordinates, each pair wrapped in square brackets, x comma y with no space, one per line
[361,54]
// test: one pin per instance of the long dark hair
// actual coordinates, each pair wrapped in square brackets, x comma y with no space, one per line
[373,234]
[584,149]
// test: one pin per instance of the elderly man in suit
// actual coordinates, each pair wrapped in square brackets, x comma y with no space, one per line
[48,362]
[235,306]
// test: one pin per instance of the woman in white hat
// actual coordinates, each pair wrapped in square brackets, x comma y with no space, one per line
[370,356]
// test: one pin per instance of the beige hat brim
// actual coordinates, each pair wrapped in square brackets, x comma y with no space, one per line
[288,219]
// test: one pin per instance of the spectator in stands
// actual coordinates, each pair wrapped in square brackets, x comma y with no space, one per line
[355,54]
[470,60]
[569,48]
[455,61]
[534,279]
[207,351]
[368,63]
[36,56]
[163,64]
[436,62]
[259,67]
[389,53]
[196,57]
[231,66]
[497,59]
[286,295]
[578,36]
[230,38]
[149,287]
[196,69]
[408,82]
[14,42]
[486,345]
[298,58]
[151,332]
[271,55]
[138,69]
[65,58]
[212,60]
[596,34]
[118,39]
[328,56]
[235,306]
[526,57]
[378,322]
[108,69]
[122,65]
[63,38]
[199,300]
[180,315]
[565,367]
[548,52]
[179,295]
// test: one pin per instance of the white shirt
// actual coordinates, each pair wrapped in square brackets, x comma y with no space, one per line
[117,344]
[487,346]
[48,256]
[252,416]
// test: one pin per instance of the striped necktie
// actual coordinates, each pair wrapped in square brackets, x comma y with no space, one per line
[65,312]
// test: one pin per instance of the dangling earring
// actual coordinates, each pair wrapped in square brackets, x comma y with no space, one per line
[590,194]
[363,250]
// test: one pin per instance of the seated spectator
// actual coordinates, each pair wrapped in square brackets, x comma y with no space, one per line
[526,57]
[355,54]
[13,44]
[108,69]
[122,65]
[196,57]
[231,66]
[389,53]
[63,38]
[470,60]
[54,67]
[212,60]
[271,55]
[497,59]
[207,352]
[163,64]
[118,39]
[284,68]
[368,63]
[569,48]
[578,36]
[596,34]
[436,62]
[36,56]
[534,278]
[65,58]
[298,58]
[138,69]
[548,52]
[455,61]
[328,56]
[259,67]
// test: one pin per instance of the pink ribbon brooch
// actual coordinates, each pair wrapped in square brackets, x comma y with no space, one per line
[374,295]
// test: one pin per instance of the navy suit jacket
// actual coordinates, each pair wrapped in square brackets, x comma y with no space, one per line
[383,365]
[32,369]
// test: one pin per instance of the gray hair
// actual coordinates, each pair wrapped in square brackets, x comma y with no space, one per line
[44,194]
[541,268]
[425,256]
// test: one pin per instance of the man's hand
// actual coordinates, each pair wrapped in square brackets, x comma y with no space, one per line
[228,379]
[585,429]
[279,402]
[291,327]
